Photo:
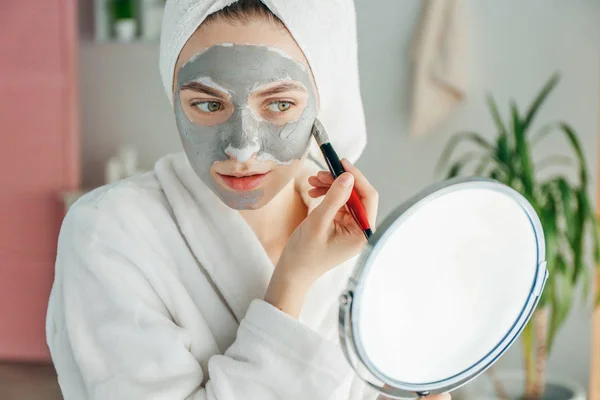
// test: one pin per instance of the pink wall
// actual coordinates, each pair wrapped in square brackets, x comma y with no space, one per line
[39,153]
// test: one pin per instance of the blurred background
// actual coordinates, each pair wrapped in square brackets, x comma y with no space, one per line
[81,104]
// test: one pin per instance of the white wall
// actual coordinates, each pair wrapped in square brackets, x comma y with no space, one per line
[516,45]
[122,102]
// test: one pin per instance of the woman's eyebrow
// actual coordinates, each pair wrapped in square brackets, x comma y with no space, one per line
[280,88]
[202,88]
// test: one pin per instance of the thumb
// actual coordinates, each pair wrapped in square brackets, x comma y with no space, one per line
[336,197]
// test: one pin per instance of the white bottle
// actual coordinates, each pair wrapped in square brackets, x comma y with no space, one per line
[129,159]
[125,30]
[113,171]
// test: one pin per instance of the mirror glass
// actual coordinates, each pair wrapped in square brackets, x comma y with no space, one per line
[447,285]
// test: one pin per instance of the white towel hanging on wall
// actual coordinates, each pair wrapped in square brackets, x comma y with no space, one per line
[439,64]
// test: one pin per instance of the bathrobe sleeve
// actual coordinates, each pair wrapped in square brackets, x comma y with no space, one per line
[111,334]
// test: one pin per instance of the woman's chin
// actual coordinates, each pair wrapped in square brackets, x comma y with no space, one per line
[241,199]
[244,205]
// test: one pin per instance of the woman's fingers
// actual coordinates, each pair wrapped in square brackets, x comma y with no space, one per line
[325,177]
[366,192]
[314,181]
[315,193]
[336,197]
[321,179]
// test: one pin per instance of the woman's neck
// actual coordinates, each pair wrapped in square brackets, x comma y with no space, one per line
[274,223]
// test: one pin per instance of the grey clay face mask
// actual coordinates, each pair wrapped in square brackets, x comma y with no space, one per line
[239,70]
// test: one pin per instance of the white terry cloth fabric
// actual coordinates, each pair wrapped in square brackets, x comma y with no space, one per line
[325,30]
[440,64]
[157,295]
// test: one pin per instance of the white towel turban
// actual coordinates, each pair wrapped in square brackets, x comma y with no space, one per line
[325,30]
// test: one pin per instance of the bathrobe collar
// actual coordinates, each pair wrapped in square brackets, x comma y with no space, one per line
[221,240]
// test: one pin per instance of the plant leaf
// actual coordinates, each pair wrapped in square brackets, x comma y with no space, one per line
[595,228]
[503,150]
[595,270]
[562,300]
[542,133]
[483,164]
[497,171]
[568,201]
[539,100]
[459,164]
[597,286]
[584,274]
[577,246]
[548,220]
[525,170]
[572,138]
[496,116]
[503,143]
[457,139]
[496,174]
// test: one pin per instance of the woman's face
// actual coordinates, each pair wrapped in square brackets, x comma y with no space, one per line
[245,103]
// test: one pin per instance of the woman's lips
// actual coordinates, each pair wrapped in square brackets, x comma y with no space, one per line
[243,183]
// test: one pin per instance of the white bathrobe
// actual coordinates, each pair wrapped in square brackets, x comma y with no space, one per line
[158,295]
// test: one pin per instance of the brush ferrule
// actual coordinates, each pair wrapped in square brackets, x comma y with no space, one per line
[318,131]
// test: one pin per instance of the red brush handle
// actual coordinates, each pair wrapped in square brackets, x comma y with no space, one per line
[358,211]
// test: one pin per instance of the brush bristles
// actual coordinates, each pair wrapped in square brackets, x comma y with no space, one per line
[319,133]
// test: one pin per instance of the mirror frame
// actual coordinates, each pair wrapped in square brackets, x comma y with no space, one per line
[349,309]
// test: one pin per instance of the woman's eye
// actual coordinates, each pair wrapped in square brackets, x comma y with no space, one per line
[209,106]
[279,106]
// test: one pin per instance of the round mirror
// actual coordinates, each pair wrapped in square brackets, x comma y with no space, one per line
[443,288]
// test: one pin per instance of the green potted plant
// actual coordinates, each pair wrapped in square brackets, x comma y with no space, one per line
[123,16]
[565,210]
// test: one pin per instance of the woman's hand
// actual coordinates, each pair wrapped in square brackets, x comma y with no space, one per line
[326,238]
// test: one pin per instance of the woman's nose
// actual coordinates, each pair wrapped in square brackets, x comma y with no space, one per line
[242,154]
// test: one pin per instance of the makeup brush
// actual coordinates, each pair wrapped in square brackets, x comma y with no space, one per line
[354,204]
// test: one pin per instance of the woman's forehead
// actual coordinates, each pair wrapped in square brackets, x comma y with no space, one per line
[242,67]
[255,32]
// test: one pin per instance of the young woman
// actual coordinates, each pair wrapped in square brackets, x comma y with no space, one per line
[216,275]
